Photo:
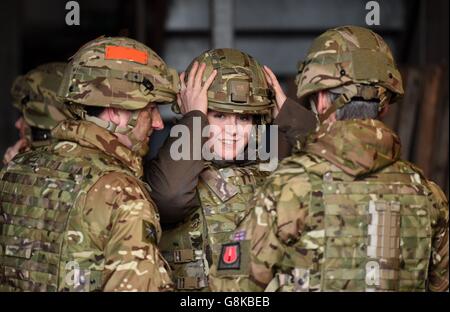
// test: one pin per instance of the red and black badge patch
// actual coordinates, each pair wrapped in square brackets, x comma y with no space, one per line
[230,256]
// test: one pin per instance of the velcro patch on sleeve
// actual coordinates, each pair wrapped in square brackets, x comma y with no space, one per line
[149,233]
[239,235]
[126,54]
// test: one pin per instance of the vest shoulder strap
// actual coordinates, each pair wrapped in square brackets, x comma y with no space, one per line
[218,184]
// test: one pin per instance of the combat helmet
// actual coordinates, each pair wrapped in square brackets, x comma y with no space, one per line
[354,61]
[19,92]
[117,72]
[35,96]
[239,86]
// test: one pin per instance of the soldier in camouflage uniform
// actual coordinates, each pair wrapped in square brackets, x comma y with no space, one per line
[346,213]
[74,215]
[34,95]
[229,87]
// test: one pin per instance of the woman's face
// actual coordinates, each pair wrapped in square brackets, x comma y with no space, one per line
[229,133]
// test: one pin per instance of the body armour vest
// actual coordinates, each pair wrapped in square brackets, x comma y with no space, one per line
[41,226]
[192,246]
[362,234]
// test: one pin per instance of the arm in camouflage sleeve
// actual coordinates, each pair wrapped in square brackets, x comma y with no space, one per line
[132,259]
[294,122]
[174,183]
[253,274]
[438,272]
[275,219]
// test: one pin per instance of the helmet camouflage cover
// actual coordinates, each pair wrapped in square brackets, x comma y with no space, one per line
[118,72]
[35,95]
[239,86]
[19,92]
[355,61]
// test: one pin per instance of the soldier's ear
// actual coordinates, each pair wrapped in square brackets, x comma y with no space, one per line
[322,103]
[112,114]
[157,121]
[384,111]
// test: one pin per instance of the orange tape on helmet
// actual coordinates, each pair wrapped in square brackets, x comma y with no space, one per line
[126,54]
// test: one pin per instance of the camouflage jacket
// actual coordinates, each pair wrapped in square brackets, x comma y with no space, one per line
[347,214]
[101,227]
[174,183]
[192,245]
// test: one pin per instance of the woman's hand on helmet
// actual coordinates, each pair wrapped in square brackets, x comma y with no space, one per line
[280,97]
[193,95]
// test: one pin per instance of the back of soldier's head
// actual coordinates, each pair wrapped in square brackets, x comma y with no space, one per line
[353,63]
[35,96]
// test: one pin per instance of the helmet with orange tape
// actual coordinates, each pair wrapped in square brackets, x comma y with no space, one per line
[116,72]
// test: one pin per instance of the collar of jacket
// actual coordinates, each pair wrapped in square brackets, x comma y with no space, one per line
[89,134]
[357,147]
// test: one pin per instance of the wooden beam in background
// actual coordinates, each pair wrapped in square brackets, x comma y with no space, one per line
[427,119]
[10,67]
[140,19]
[222,23]
[440,160]
[156,35]
[407,118]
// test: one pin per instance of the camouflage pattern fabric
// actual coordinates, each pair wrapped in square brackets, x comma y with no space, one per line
[347,214]
[118,72]
[36,93]
[223,191]
[239,87]
[121,73]
[193,245]
[18,92]
[74,216]
[354,62]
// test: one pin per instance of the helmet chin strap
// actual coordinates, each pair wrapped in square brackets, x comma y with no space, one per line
[138,146]
[28,134]
[112,127]
[343,99]
[314,110]
[364,91]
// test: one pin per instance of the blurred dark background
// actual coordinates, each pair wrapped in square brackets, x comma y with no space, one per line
[276,32]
